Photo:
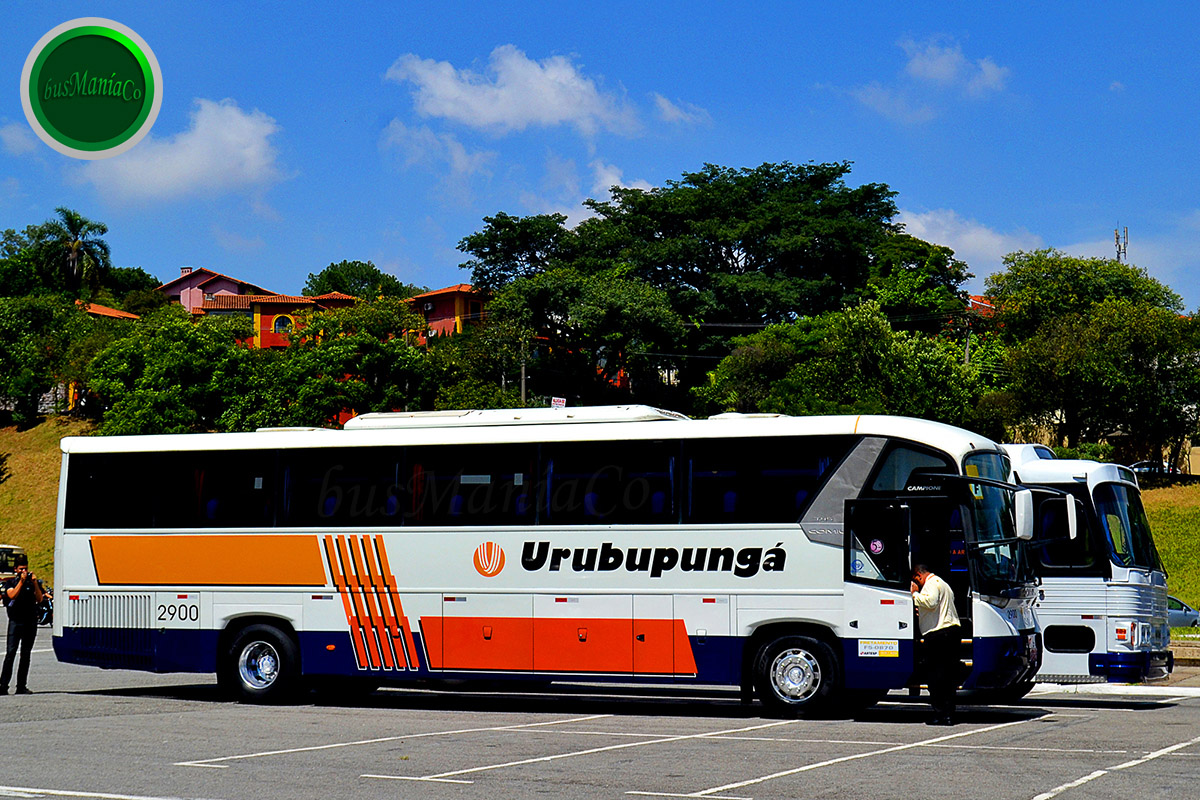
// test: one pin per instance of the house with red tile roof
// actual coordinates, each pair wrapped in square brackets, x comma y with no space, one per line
[447,311]
[195,285]
[97,310]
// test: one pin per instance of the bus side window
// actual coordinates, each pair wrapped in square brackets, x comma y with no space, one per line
[610,483]
[470,484]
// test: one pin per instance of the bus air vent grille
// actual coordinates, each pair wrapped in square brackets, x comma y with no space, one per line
[105,610]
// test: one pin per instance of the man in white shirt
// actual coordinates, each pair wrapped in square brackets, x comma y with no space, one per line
[941,633]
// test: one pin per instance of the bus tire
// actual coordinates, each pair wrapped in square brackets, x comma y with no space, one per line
[795,675]
[262,665]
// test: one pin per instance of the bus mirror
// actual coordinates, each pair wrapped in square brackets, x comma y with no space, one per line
[1023,504]
[1072,518]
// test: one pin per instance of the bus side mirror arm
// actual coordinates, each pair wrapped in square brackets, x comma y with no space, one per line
[1023,505]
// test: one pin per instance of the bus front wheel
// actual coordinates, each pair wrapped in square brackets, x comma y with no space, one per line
[795,674]
[263,665]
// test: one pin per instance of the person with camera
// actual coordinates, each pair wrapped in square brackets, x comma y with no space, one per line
[21,594]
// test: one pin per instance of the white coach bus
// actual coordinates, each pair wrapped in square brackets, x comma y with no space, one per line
[1103,605]
[618,543]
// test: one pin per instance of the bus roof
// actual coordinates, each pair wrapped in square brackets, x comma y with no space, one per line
[589,426]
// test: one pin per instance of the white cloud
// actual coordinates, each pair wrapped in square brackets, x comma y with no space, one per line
[17,139]
[893,104]
[1116,86]
[983,248]
[421,146]
[609,175]
[946,66]
[680,112]
[225,149]
[515,93]
[934,69]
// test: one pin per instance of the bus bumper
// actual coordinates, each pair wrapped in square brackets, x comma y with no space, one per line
[1135,667]
[1004,661]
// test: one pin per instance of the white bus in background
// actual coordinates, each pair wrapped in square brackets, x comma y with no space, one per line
[615,543]
[1103,604]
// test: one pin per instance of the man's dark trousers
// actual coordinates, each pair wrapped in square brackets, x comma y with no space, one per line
[20,634]
[941,653]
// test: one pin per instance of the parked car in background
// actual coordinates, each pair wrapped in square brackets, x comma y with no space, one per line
[1180,614]
[1154,466]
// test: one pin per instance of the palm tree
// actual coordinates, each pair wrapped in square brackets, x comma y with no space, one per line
[71,247]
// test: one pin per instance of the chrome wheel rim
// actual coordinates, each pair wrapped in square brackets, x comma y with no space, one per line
[795,675]
[258,665]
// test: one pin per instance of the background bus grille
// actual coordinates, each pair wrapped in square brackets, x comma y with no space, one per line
[111,611]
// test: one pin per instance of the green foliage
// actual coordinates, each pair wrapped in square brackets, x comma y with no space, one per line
[1174,515]
[844,362]
[1039,287]
[917,284]
[356,358]
[1119,367]
[360,279]
[1087,451]
[143,301]
[171,375]
[120,281]
[35,337]
[70,252]
[596,331]
[511,247]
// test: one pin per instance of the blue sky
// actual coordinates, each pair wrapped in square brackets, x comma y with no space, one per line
[293,135]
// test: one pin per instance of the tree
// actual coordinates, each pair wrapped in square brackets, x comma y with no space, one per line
[1038,287]
[597,333]
[360,279]
[511,247]
[170,375]
[71,248]
[918,285]
[1120,367]
[353,359]
[841,362]
[35,338]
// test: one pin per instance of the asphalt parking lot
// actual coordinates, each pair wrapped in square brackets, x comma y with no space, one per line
[88,733]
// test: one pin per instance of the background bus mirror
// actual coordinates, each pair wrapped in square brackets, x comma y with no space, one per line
[1072,518]
[1023,504]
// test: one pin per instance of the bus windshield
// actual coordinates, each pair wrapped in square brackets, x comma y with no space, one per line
[997,557]
[1119,508]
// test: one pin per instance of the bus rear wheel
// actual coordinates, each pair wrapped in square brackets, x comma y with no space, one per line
[262,665]
[795,675]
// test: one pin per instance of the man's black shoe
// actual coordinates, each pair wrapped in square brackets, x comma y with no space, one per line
[23,690]
[940,721]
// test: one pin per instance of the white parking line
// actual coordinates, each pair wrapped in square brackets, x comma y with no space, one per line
[213,762]
[574,754]
[28,791]
[710,793]
[1100,773]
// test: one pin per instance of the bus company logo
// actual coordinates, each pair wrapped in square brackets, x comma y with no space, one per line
[91,88]
[489,559]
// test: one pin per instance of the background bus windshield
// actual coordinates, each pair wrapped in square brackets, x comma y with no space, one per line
[1124,521]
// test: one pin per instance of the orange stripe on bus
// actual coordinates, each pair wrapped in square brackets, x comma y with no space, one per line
[375,570]
[405,631]
[379,612]
[206,559]
[354,571]
[360,653]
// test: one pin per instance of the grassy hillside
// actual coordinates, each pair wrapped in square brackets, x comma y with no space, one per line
[29,498]
[1175,518]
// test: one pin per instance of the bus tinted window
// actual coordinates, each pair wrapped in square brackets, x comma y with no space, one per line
[902,462]
[348,487]
[760,479]
[470,485]
[610,483]
[171,490]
